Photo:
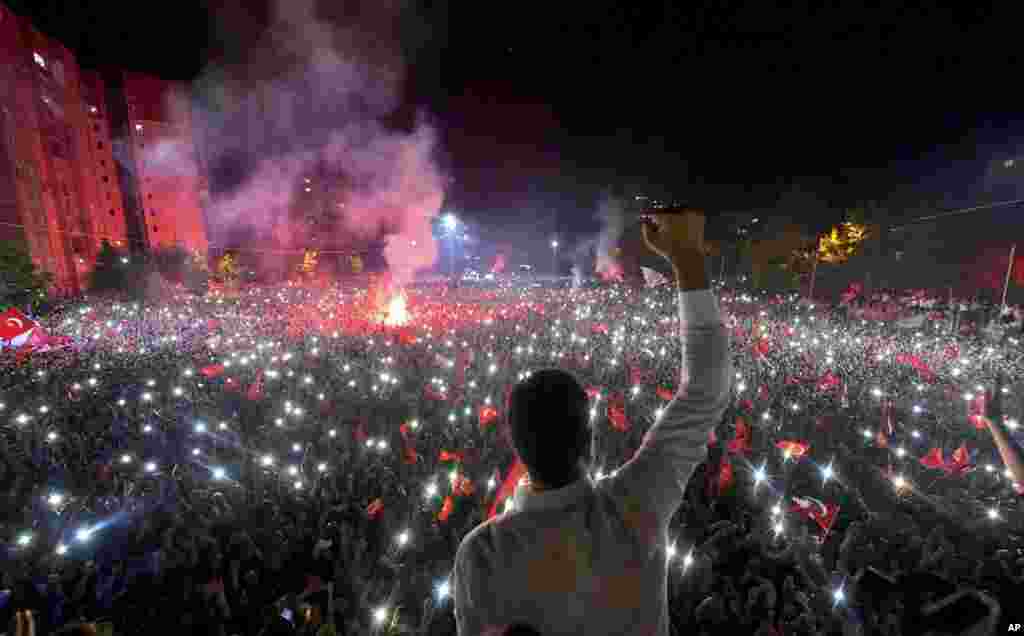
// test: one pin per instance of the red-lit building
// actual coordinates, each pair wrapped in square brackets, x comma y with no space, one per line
[51,199]
[168,185]
[84,159]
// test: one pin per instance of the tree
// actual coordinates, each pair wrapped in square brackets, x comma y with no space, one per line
[227,268]
[842,242]
[22,284]
[310,260]
[112,272]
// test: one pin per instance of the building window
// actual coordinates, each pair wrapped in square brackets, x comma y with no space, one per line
[39,59]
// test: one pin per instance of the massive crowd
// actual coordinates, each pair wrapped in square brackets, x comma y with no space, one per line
[282,461]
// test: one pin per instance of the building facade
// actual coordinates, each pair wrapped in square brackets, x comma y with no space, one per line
[160,155]
[47,164]
[64,158]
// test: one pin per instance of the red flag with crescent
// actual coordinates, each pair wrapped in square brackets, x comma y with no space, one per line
[508,487]
[13,323]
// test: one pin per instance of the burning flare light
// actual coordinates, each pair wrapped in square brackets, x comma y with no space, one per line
[397,313]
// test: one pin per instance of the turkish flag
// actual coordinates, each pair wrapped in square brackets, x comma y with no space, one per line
[934,459]
[725,477]
[617,414]
[487,415]
[665,393]
[375,508]
[761,348]
[741,442]
[961,462]
[600,328]
[823,514]
[213,370]
[593,392]
[508,487]
[409,455]
[13,323]
[463,486]
[446,509]
[447,456]
[793,449]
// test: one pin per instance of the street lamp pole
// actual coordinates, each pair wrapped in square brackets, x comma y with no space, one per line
[554,258]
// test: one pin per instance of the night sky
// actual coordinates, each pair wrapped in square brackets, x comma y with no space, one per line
[545,106]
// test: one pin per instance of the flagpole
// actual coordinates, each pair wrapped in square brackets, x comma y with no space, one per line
[1009,270]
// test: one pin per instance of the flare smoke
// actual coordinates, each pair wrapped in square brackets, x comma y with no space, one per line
[307,98]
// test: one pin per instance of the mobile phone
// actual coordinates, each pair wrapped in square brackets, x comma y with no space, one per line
[964,613]
[288,615]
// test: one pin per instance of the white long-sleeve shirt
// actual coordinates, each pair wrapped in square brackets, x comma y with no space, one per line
[591,558]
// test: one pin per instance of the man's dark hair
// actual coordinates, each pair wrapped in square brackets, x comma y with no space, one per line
[549,426]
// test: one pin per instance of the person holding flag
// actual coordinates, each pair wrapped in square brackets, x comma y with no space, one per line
[577,557]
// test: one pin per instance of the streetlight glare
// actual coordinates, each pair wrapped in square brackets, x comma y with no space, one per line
[450,222]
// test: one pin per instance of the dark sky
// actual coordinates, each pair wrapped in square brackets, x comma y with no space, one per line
[548,104]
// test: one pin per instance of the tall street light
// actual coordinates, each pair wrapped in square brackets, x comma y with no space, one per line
[451,223]
[554,258]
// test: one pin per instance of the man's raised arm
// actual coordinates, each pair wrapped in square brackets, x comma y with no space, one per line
[656,478]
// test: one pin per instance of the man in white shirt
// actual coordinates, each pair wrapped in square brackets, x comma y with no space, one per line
[584,558]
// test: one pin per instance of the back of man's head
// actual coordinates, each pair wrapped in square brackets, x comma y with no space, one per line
[549,426]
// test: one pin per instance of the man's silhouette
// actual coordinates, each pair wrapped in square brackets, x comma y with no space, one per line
[578,557]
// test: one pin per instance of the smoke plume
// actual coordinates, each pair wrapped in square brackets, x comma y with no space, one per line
[612,214]
[291,131]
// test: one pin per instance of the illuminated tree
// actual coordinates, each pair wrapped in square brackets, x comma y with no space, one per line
[227,267]
[21,282]
[309,261]
[841,242]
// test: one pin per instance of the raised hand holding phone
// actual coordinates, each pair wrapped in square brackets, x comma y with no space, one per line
[679,238]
